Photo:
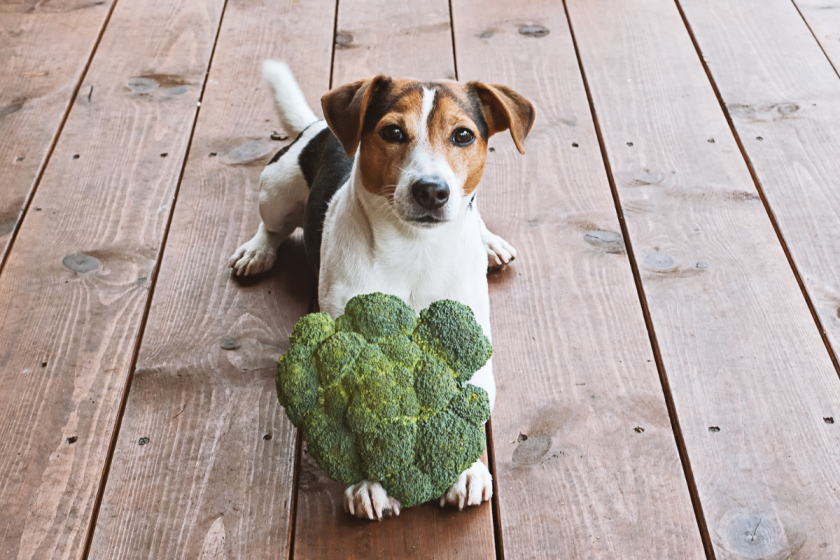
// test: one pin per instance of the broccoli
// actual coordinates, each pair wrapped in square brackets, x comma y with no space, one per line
[381,394]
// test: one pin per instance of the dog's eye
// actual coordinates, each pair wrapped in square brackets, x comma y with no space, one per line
[462,137]
[392,133]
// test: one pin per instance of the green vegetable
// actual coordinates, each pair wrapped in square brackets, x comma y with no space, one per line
[382,395]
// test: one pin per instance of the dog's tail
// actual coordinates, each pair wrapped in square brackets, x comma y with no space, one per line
[295,114]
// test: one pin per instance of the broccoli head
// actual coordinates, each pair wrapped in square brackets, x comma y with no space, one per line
[382,395]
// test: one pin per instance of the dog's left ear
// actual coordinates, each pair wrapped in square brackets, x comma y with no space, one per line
[505,109]
[344,108]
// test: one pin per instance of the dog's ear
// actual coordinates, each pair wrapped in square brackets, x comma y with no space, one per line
[344,108]
[505,109]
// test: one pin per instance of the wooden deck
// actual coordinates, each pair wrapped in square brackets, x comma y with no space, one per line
[665,345]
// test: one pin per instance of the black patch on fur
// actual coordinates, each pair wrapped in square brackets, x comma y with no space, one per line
[285,149]
[382,98]
[469,206]
[281,153]
[326,168]
[477,113]
[472,107]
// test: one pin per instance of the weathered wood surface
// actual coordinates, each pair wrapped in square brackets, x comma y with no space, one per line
[215,479]
[750,377]
[37,90]
[400,39]
[429,531]
[75,287]
[823,19]
[586,459]
[403,39]
[783,97]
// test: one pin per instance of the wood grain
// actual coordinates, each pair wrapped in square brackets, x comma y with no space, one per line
[400,39]
[425,531]
[783,97]
[405,39]
[37,90]
[823,19]
[75,287]
[587,463]
[750,376]
[215,478]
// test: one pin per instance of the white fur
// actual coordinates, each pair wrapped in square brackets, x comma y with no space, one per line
[369,499]
[368,246]
[283,194]
[474,486]
[291,105]
[423,162]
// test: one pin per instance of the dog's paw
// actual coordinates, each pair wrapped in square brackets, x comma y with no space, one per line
[499,251]
[253,257]
[368,500]
[475,485]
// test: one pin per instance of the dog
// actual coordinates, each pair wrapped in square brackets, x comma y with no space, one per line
[385,190]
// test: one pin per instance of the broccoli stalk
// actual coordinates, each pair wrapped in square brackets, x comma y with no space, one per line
[382,395]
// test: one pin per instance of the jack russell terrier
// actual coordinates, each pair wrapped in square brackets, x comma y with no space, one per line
[385,191]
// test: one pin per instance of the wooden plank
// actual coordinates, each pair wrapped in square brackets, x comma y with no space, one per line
[400,39]
[405,39]
[750,377]
[215,479]
[573,362]
[324,530]
[823,19]
[790,99]
[37,90]
[75,286]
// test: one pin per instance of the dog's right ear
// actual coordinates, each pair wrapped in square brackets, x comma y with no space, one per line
[344,108]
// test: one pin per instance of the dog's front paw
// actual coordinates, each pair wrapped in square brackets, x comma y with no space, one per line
[499,251]
[475,485]
[368,500]
[253,257]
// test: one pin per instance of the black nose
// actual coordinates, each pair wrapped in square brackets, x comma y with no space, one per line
[430,193]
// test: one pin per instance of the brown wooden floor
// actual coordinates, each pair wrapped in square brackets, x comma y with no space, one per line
[665,345]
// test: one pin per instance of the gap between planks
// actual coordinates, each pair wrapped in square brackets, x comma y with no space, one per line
[332,59]
[495,506]
[313,306]
[660,366]
[115,432]
[54,142]
[811,29]
[757,182]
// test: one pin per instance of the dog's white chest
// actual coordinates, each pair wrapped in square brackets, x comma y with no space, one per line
[420,267]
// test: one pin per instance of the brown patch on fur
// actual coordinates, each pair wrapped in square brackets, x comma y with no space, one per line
[379,160]
[451,112]
[482,109]
[505,109]
[344,108]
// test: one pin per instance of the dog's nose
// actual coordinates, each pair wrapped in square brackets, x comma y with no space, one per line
[430,193]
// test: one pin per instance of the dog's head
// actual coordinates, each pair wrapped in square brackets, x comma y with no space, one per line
[422,145]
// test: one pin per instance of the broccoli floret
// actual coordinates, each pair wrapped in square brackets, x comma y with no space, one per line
[312,329]
[381,395]
[471,404]
[332,445]
[448,330]
[435,384]
[297,382]
[376,316]
[447,444]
